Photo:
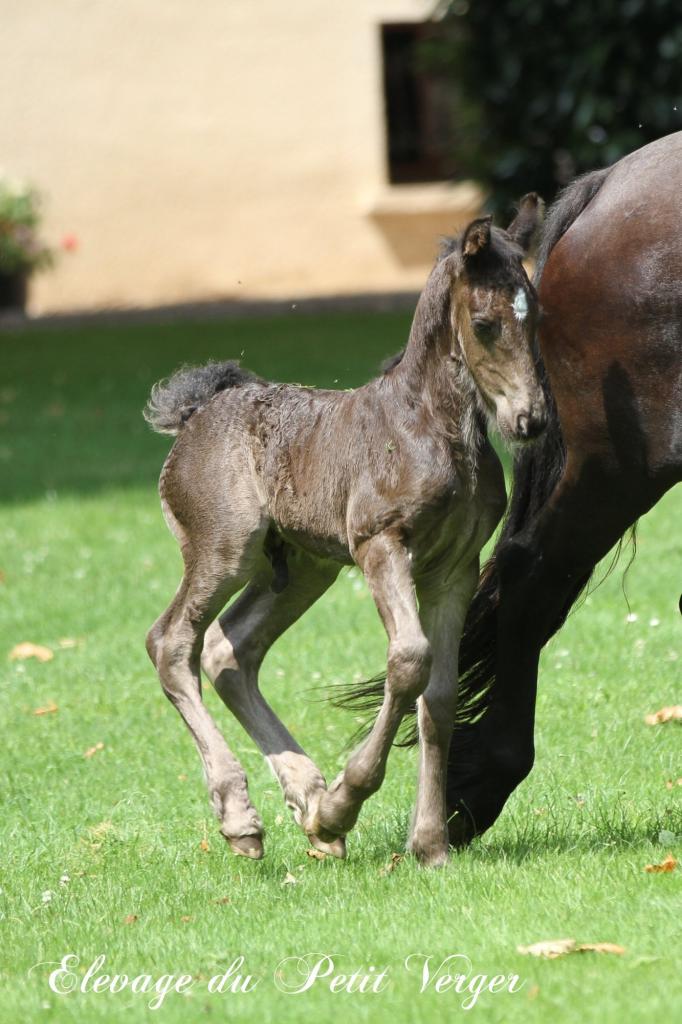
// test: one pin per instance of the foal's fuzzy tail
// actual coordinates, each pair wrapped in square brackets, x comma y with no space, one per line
[173,401]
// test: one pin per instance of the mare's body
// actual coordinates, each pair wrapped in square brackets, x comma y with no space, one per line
[610,287]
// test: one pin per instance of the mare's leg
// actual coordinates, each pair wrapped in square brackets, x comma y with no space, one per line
[174,644]
[442,613]
[540,571]
[386,566]
[234,649]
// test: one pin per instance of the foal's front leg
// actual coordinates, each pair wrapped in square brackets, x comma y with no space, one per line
[386,566]
[443,611]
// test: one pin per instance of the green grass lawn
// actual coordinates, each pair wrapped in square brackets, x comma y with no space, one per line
[85,556]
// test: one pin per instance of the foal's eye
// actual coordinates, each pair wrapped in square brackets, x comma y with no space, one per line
[485,330]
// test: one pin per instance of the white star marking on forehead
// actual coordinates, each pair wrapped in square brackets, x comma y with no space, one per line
[520,305]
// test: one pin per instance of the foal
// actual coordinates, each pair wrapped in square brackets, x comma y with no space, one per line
[273,487]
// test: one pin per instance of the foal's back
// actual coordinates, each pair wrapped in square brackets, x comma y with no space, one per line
[316,464]
[258,453]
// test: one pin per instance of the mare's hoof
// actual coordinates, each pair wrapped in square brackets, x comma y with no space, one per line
[336,845]
[246,846]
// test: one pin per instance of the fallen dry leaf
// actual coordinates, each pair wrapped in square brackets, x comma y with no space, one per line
[204,845]
[316,854]
[549,948]
[669,864]
[91,751]
[28,650]
[221,900]
[601,947]
[671,783]
[673,713]
[392,864]
[290,879]
[67,642]
[49,709]
[186,918]
[130,919]
[100,829]
[552,949]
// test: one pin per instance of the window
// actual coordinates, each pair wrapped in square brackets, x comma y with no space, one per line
[419,139]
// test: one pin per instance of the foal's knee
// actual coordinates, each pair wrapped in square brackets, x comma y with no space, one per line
[409,662]
[153,642]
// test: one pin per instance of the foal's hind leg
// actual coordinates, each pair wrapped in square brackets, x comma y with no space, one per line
[174,644]
[234,649]
[386,566]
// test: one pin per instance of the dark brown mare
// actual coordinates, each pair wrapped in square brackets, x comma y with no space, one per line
[272,487]
[609,277]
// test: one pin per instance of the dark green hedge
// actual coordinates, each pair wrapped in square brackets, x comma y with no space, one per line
[541,91]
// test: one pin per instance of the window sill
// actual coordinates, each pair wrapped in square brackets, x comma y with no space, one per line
[412,218]
[462,199]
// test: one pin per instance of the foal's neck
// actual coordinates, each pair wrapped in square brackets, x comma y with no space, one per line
[433,367]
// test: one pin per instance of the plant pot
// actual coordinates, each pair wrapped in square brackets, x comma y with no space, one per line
[13,291]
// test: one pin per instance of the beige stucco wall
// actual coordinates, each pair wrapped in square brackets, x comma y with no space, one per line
[224,149]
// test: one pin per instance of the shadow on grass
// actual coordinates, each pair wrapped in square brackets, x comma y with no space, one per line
[605,827]
[71,398]
[520,839]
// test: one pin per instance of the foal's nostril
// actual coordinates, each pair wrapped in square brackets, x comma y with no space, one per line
[529,426]
[523,425]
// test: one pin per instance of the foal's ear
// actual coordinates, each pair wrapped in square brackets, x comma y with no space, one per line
[527,220]
[476,237]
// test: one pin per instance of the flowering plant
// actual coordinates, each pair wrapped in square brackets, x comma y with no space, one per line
[20,249]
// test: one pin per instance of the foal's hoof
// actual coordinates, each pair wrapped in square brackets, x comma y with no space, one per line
[336,846]
[246,846]
[431,858]
[430,849]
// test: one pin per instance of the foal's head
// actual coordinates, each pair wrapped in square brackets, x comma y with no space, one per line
[494,316]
